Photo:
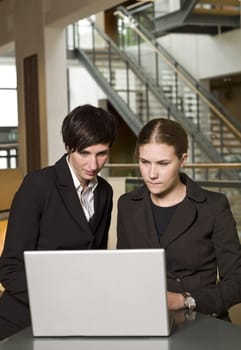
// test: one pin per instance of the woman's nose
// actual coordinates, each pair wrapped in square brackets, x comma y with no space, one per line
[93,163]
[153,172]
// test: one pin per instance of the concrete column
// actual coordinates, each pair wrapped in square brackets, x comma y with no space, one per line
[32,37]
[56,89]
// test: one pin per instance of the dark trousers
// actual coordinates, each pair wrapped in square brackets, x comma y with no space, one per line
[14,316]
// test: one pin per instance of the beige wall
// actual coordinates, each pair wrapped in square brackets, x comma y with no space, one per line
[62,12]
[55,12]
[118,185]
[36,27]
[6,21]
[29,40]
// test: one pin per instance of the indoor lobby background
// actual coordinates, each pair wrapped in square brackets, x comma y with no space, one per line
[40,83]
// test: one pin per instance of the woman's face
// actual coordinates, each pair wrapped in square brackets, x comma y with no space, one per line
[87,163]
[159,167]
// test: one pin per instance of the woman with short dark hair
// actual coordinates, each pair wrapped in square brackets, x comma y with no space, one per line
[63,206]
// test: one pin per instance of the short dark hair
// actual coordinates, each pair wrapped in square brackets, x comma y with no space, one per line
[166,131]
[87,125]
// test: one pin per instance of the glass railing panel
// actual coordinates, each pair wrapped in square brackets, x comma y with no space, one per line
[135,91]
[179,87]
[130,86]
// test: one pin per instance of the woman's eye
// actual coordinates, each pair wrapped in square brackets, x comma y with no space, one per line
[103,154]
[83,153]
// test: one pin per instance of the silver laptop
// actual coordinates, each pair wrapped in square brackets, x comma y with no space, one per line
[98,292]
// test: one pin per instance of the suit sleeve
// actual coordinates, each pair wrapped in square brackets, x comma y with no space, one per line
[103,207]
[218,299]
[122,238]
[22,234]
[106,220]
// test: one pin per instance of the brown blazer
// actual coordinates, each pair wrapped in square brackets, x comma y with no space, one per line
[200,239]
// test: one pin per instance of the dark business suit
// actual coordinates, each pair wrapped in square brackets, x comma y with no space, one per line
[200,237]
[46,215]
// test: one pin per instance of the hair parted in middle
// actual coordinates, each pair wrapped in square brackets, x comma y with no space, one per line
[162,130]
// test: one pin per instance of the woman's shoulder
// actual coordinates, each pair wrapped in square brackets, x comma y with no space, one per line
[137,194]
[199,193]
[37,182]
[215,201]
[40,175]
[216,197]
[49,173]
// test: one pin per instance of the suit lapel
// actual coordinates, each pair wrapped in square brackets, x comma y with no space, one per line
[183,217]
[69,195]
[99,202]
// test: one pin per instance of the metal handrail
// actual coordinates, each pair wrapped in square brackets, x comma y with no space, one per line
[200,172]
[188,165]
[198,140]
[177,68]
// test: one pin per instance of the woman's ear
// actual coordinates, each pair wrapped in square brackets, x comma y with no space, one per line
[183,160]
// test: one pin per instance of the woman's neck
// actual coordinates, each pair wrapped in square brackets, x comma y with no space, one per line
[171,197]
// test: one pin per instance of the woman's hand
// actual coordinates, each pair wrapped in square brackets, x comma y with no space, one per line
[175,301]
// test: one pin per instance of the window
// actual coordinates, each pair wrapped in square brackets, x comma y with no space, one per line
[8,114]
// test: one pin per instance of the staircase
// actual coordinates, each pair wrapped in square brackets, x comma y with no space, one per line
[182,90]
[194,16]
[140,93]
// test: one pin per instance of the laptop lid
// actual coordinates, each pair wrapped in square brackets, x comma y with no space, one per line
[97,292]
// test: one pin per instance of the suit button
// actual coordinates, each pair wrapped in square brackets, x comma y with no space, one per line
[214,314]
[178,280]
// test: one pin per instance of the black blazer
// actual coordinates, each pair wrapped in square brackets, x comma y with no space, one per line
[46,215]
[200,239]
